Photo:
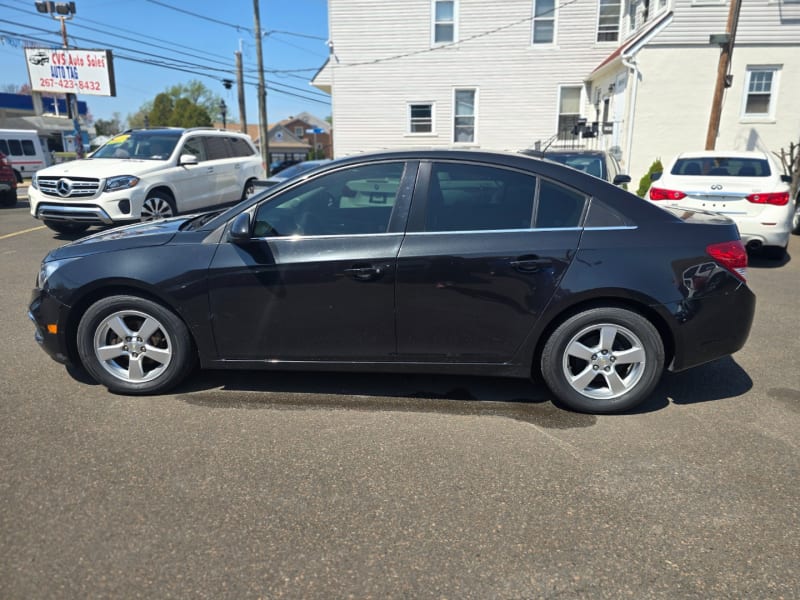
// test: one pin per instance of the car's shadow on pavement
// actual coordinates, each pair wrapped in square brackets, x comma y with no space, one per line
[517,399]
[757,260]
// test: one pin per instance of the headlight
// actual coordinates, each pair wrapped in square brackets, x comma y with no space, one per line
[35,182]
[48,268]
[123,182]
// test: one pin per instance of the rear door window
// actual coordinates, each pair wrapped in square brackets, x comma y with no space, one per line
[559,206]
[217,147]
[478,198]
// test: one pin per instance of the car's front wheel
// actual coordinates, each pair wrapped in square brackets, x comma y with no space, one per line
[603,360]
[158,205]
[134,346]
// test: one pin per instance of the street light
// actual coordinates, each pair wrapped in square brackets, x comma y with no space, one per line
[64,11]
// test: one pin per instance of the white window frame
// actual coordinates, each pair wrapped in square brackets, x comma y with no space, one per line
[474,90]
[409,131]
[299,131]
[534,18]
[434,23]
[655,8]
[581,102]
[621,4]
[773,93]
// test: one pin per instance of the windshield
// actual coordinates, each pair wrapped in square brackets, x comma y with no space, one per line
[593,165]
[723,166]
[147,145]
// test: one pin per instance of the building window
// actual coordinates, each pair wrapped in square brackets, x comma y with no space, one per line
[544,22]
[760,86]
[608,20]
[420,118]
[569,110]
[444,21]
[464,116]
[299,131]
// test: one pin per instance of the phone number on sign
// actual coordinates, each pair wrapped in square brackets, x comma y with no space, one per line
[69,84]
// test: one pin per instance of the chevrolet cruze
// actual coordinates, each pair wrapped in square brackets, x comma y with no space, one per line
[431,261]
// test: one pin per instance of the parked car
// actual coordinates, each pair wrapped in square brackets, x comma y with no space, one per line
[8,183]
[746,186]
[293,171]
[146,174]
[594,162]
[280,165]
[429,261]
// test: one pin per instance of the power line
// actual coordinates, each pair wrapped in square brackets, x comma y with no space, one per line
[205,18]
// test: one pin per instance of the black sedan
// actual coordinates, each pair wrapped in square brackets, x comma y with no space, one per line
[433,261]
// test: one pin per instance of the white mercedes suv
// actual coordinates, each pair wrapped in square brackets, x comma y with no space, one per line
[747,187]
[146,174]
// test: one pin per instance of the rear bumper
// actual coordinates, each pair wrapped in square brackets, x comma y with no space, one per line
[711,327]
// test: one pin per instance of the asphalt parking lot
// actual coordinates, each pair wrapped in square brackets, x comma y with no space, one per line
[265,485]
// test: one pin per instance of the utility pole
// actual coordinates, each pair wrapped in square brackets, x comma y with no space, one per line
[64,11]
[263,126]
[240,90]
[722,72]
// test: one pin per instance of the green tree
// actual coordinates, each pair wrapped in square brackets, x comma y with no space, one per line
[197,93]
[188,114]
[109,126]
[161,115]
[644,182]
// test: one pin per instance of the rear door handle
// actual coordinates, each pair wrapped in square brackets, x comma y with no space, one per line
[529,264]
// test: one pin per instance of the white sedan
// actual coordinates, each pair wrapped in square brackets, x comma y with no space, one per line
[747,187]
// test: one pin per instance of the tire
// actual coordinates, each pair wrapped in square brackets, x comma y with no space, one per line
[158,205]
[8,198]
[66,227]
[796,217]
[249,189]
[603,360]
[134,346]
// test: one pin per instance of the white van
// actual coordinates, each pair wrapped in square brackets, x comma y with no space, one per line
[24,151]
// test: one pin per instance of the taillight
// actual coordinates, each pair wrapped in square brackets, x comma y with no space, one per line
[662,194]
[776,199]
[731,255]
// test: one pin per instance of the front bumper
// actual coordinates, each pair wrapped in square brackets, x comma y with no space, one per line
[49,317]
[103,209]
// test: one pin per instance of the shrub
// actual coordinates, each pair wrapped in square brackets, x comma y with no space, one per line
[644,182]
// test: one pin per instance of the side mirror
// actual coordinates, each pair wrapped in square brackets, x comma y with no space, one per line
[655,176]
[620,179]
[240,229]
[188,159]
[786,178]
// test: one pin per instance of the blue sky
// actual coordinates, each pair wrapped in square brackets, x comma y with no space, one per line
[146,31]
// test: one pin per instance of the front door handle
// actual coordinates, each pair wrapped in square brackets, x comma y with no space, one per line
[364,272]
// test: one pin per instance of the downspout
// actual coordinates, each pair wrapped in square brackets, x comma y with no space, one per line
[629,62]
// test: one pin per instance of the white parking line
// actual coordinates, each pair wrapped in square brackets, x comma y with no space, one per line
[8,235]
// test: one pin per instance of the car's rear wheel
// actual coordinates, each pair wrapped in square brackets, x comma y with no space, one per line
[158,205]
[134,346]
[603,360]
[66,227]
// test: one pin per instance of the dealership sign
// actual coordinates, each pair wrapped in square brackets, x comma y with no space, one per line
[71,71]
